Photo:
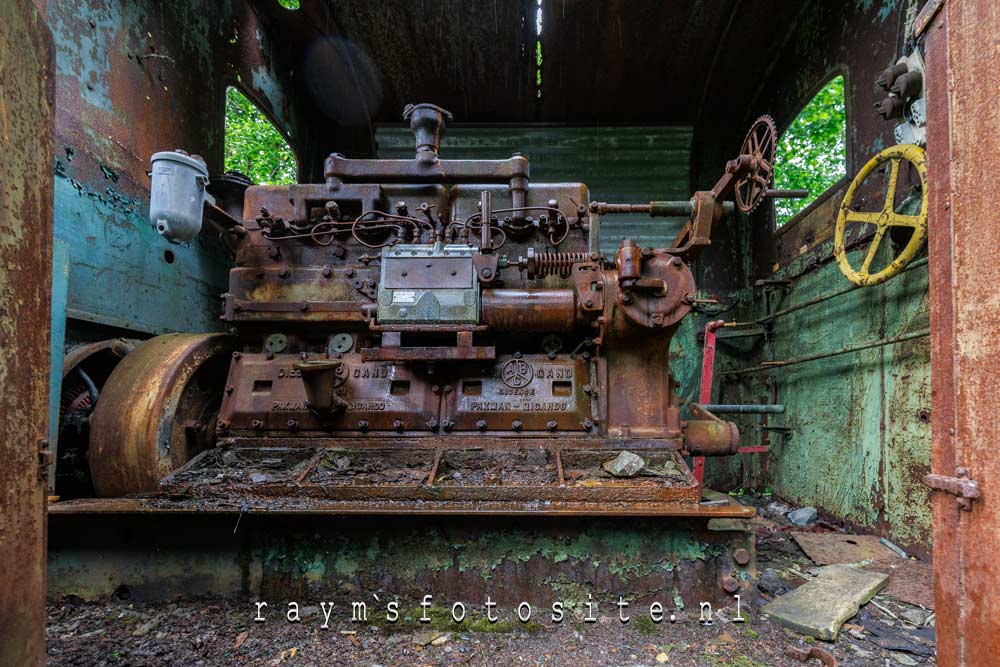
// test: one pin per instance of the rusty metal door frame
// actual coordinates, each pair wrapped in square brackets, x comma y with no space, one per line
[26,107]
[962,143]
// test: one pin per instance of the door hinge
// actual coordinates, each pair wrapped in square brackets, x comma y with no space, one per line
[960,485]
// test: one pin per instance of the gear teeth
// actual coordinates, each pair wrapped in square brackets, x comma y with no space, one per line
[773,132]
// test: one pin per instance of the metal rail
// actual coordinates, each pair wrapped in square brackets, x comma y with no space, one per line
[768,365]
[745,409]
[820,299]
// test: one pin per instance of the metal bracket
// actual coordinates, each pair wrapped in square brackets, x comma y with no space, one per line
[960,485]
[44,460]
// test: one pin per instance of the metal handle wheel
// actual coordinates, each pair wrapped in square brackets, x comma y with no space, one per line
[885,219]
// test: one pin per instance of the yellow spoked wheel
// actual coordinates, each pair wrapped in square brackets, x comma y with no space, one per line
[884,219]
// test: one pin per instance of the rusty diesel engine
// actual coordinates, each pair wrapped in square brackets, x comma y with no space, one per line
[430,330]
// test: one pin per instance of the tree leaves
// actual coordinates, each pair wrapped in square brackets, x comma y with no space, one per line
[812,153]
[253,146]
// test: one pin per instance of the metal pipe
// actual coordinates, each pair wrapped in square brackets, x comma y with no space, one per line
[527,310]
[768,365]
[745,409]
[825,297]
[786,194]
[657,209]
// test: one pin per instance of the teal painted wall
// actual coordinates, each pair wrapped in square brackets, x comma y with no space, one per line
[860,439]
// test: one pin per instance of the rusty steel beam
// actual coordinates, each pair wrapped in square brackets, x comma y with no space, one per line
[26,111]
[727,509]
[965,351]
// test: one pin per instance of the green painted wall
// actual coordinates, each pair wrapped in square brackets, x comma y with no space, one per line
[860,440]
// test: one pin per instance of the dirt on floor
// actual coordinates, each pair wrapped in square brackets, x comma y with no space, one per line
[887,631]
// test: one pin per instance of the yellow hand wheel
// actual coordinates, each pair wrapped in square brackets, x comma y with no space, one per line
[884,219]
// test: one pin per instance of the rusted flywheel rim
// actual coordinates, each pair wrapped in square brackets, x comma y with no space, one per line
[760,143]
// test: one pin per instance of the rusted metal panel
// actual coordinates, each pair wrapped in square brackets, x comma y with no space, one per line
[26,99]
[965,318]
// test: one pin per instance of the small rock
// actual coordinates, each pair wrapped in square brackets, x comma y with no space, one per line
[144,629]
[661,658]
[443,639]
[903,659]
[771,583]
[803,516]
[257,478]
[626,464]
[342,463]
[425,638]
[778,509]
[916,617]
[860,652]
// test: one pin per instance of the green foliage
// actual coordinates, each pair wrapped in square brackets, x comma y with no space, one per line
[289,4]
[812,153]
[253,146]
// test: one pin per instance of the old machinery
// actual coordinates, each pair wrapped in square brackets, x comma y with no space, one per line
[903,84]
[437,334]
[913,224]
[177,194]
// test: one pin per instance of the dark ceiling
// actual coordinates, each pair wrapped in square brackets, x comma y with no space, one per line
[603,61]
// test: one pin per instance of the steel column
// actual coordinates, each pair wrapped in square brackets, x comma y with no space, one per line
[26,98]
[965,317]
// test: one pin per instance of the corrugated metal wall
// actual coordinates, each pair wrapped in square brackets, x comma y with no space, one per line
[619,164]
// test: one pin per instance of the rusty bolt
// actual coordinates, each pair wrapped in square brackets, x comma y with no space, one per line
[273,252]
[292,424]
[281,372]
[646,252]
[436,389]
[223,423]
[552,425]
[404,273]
[229,389]
[516,424]
[481,424]
[585,355]
[587,389]
[257,424]
[487,272]
[447,424]
[729,584]
[283,272]
[236,355]
[303,355]
[350,273]
[398,425]
[676,261]
[588,424]
[447,389]
[517,355]
[552,354]
[588,303]
[327,272]
[432,424]
[741,556]
[626,298]
[362,424]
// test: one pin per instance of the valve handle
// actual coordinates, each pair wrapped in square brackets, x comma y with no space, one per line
[884,219]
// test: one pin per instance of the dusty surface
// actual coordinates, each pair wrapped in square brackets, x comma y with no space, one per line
[886,631]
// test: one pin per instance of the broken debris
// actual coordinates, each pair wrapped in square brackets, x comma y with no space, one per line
[803,516]
[626,464]
[819,607]
[832,548]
